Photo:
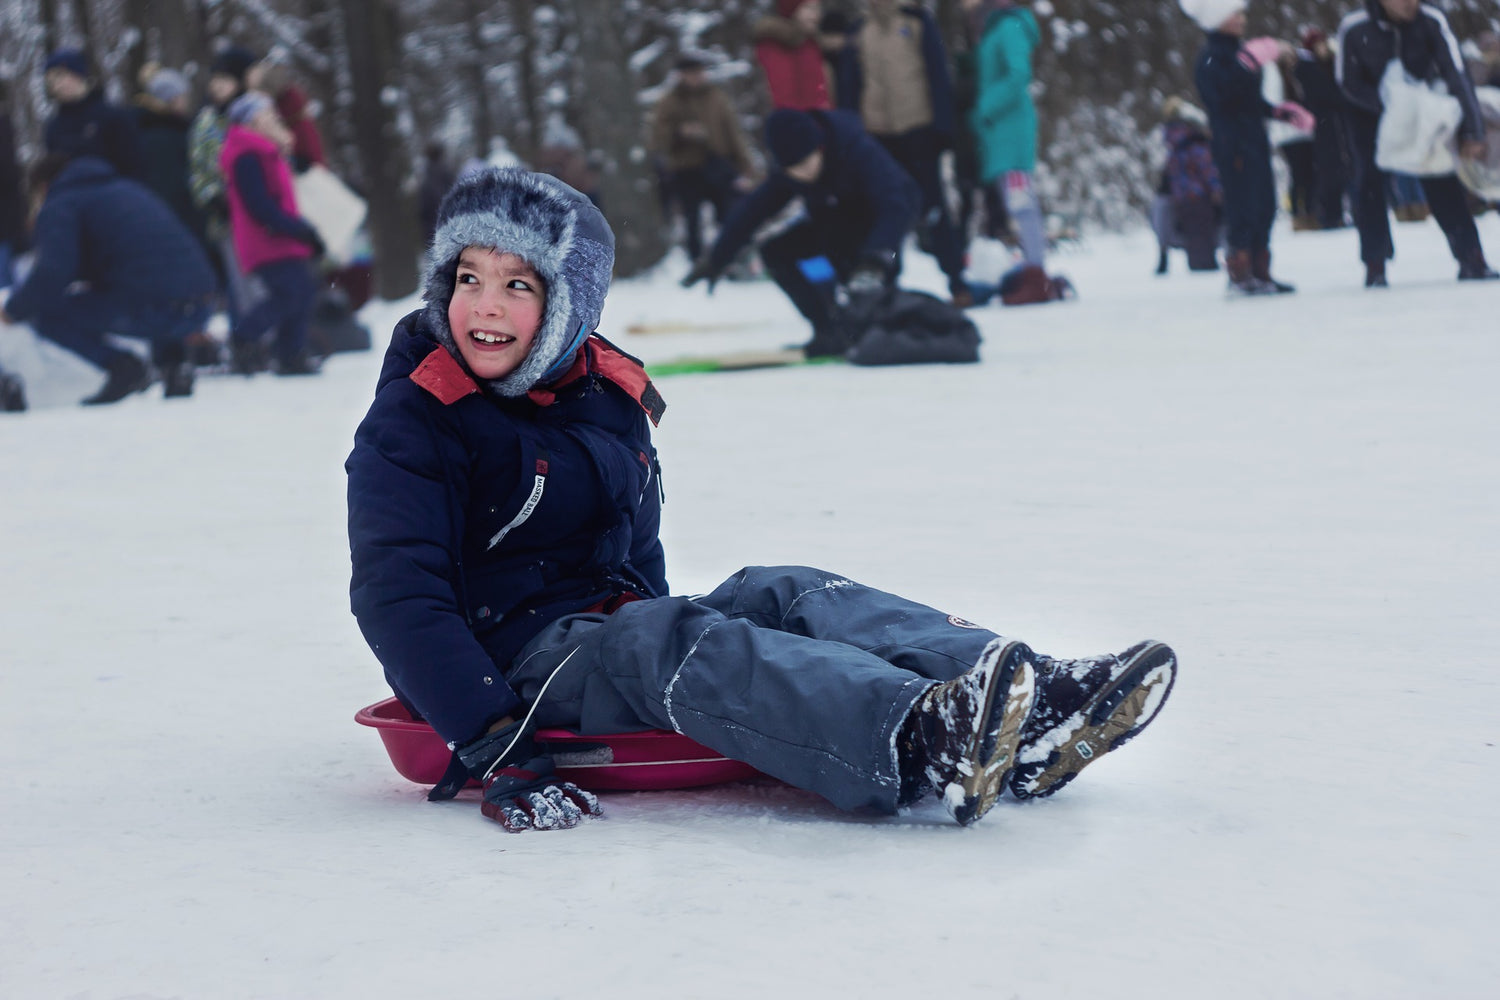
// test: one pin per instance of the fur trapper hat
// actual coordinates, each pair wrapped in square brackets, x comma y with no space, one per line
[553,228]
[1210,14]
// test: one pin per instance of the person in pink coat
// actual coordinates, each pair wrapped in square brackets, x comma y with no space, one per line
[271,239]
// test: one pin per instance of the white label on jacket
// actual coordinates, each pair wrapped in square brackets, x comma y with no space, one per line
[526,509]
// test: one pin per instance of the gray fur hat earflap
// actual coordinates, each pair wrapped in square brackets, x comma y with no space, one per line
[553,228]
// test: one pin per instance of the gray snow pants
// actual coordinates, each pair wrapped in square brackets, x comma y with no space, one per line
[800,673]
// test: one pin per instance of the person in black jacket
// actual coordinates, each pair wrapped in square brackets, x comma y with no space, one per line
[86,124]
[1322,97]
[840,261]
[112,258]
[1420,37]
[162,122]
[1229,81]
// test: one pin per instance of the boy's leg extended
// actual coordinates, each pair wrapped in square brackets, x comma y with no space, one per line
[821,715]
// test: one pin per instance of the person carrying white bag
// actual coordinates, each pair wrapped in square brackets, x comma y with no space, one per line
[1411,103]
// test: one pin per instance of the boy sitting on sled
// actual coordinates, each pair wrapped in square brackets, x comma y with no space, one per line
[503,516]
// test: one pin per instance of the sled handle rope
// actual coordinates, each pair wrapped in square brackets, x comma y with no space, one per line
[521,729]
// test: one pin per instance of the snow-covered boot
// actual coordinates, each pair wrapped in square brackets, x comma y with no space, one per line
[1086,708]
[126,374]
[1260,267]
[960,738]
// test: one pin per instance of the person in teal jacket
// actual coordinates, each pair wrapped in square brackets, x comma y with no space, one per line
[1004,122]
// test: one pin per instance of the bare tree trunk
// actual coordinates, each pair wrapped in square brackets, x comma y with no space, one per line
[523,15]
[374,54]
[474,11]
[611,124]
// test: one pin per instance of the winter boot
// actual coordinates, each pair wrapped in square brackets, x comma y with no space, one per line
[1161,261]
[12,393]
[1476,268]
[1241,281]
[1260,267]
[829,340]
[247,357]
[177,372]
[960,738]
[1375,274]
[1026,286]
[127,374]
[1086,708]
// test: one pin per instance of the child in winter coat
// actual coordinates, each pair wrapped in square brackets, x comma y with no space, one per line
[507,571]
[1191,195]
[271,240]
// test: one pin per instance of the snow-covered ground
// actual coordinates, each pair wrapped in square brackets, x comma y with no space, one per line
[1298,493]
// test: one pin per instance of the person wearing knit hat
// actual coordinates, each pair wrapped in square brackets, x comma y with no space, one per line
[226,82]
[271,239]
[85,123]
[509,575]
[162,123]
[1229,76]
[840,262]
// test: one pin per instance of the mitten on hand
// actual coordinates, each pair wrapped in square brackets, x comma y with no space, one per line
[524,794]
[1296,116]
[528,796]
[1258,52]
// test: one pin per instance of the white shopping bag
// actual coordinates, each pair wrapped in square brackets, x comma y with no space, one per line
[333,210]
[1417,127]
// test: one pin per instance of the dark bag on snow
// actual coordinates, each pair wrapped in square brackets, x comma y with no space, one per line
[916,328]
[333,327]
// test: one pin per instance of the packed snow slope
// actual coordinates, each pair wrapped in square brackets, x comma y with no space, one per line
[1298,493]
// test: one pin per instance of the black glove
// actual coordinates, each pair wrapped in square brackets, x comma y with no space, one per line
[525,793]
[703,270]
[308,235]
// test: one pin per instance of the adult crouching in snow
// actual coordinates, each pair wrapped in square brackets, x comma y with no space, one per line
[271,239]
[839,263]
[1419,36]
[110,257]
[1229,80]
[507,571]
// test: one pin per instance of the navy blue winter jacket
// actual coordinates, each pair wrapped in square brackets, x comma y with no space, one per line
[861,187]
[851,73]
[118,237]
[95,127]
[1369,40]
[1236,109]
[474,521]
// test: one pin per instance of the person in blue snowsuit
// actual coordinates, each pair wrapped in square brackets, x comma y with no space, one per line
[860,205]
[504,506]
[112,257]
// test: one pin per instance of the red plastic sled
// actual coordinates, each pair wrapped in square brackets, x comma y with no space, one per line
[650,761]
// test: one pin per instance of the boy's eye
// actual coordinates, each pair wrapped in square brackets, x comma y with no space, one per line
[519,283]
[467,279]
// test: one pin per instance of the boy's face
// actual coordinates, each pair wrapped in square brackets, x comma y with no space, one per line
[496,310]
